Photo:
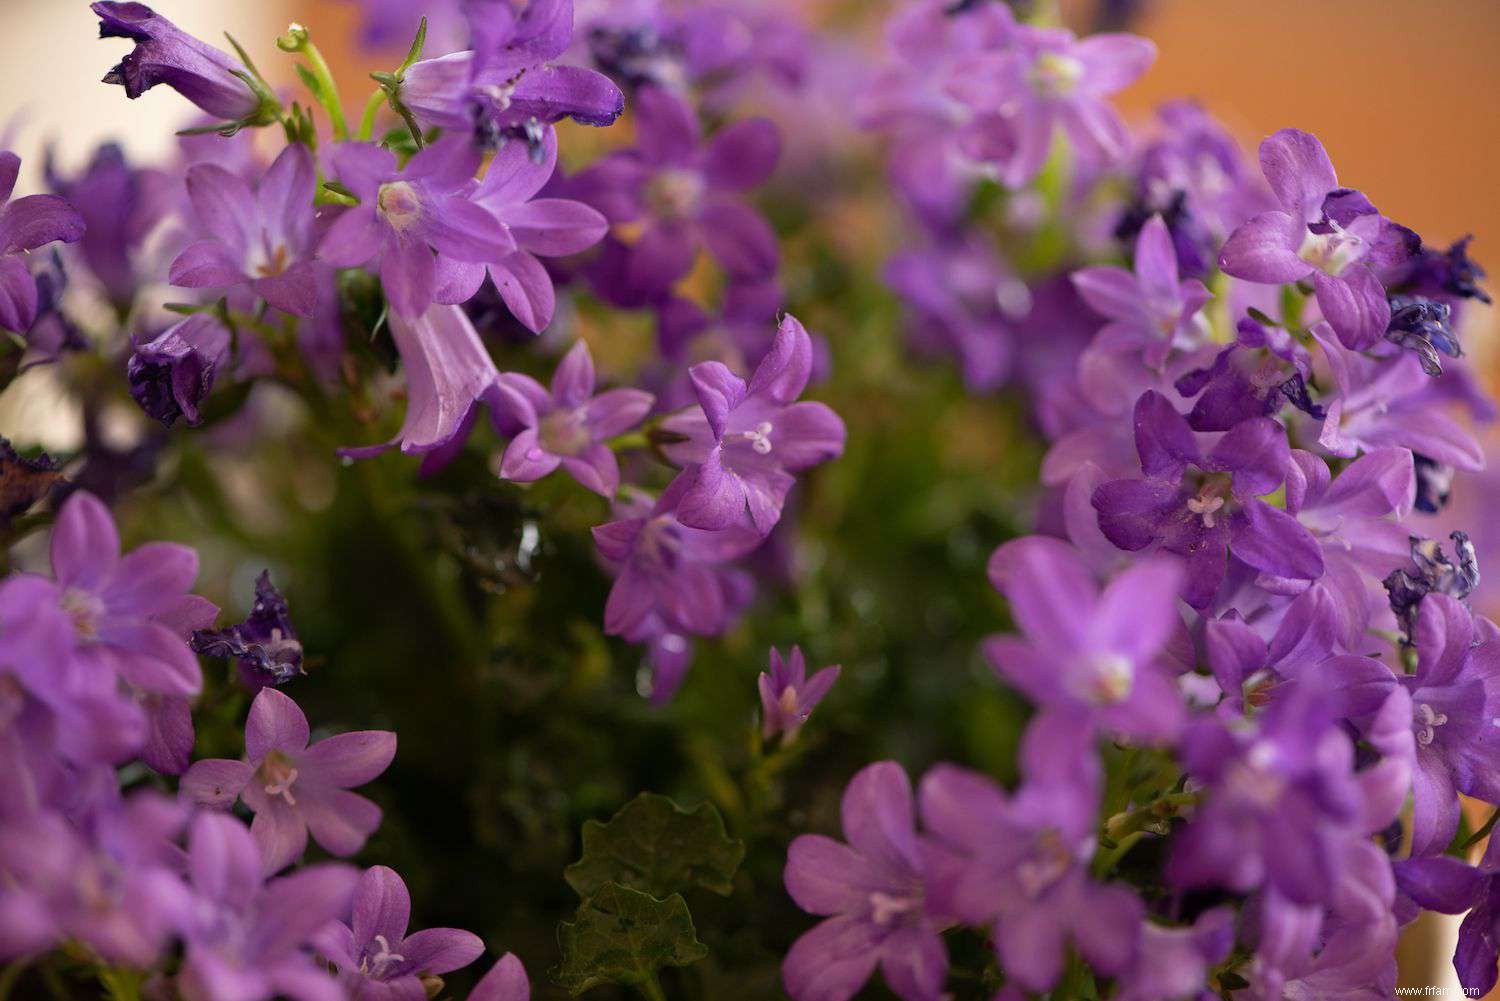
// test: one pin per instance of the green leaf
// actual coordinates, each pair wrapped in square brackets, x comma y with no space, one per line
[655,846]
[623,936]
[415,52]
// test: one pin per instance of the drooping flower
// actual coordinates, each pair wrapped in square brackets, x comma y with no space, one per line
[377,960]
[872,894]
[418,226]
[570,425]
[265,645]
[1093,655]
[26,224]
[165,54]
[172,374]
[745,440]
[293,787]
[261,238]
[788,696]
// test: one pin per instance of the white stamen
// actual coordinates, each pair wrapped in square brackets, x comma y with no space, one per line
[760,438]
[1206,508]
[1428,720]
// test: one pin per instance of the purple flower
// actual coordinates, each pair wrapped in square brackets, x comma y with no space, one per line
[1021,862]
[1265,369]
[1202,507]
[261,238]
[377,960]
[418,226]
[1095,656]
[1174,962]
[569,426]
[685,194]
[166,54]
[119,205]
[1049,80]
[1150,310]
[248,938]
[506,981]
[872,892]
[293,787]
[447,372]
[744,441]
[1323,232]
[171,374]
[788,696]
[265,644]
[26,224]
[1479,935]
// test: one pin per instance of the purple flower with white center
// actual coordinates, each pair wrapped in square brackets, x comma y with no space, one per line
[377,960]
[261,238]
[172,374]
[294,788]
[448,371]
[569,426]
[265,645]
[1049,80]
[744,441]
[1093,655]
[686,193]
[1150,310]
[247,937]
[1323,232]
[1020,862]
[670,575]
[26,224]
[417,227]
[1201,507]
[1389,401]
[872,892]
[506,981]
[1282,807]
[788,696]
[504,86]
[120,205]
[165,54]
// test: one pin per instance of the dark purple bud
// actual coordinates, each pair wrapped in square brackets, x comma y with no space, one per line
[171,375]
[634,56]
[1187,239]
[1434,483]
[265,644]
[24,480]
[1453,271]
[1422,325]
[1431,571]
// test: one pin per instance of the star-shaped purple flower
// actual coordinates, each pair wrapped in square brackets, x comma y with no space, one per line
[788,696]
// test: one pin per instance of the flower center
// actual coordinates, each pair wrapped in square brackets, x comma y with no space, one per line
[788,701]
[1111,678]
[1048,862]
[1056,75]
[674,194]
[1333,251]
[1427,721]
[759,437]
[277,776]
[562,432]
[1253,778]
[398,204]
[274,262]
[888,909]
[376,965]
[85,609]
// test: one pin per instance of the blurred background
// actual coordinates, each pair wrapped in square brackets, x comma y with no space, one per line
[1401,92]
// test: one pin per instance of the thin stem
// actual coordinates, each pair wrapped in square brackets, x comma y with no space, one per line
[651,988]
[1482,833]
[332,101]
[367,120]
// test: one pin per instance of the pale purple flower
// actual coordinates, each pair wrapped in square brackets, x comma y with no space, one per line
[250,939]
[872,892]
[569,426]
[745,440]
[506,981]
[26,224]
[1173,963]
[172,374]
[260,238]
[294,788]
[165,54]
[788,696]
[1150,309]
[377,960]
[418,226]
[119,204]
[1322,232]
[1096,656]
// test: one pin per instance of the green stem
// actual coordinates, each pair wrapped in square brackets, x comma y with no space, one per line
[367,120]
[333,103]
[651,988]
[1482,833]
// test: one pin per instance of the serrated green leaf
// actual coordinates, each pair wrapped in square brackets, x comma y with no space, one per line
[654,845]
[623,936]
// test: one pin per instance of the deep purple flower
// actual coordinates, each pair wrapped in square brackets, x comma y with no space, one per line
[1093,655]
[248,938]
[569,426]
[506,981]
[1020,862]
[744,441]
[120,204]
[172,374]
[1479,935]
[26,224]
[261,238]
[686,194]
[417,226]
[293,787]
[166,54]
[788,696]
[1201,507]
[1316,235]
[1265,369]
[872,892]
[377,960]
[1150,310]
[265,645]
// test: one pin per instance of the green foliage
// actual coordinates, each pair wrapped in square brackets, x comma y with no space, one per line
[654,846]
[623,936]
